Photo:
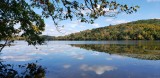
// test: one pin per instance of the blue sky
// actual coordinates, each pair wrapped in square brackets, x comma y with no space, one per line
[149,9]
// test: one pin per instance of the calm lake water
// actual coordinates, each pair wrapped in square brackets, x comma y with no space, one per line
[82,59]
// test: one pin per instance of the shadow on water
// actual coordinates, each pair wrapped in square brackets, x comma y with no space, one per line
[144,51]
[29,70]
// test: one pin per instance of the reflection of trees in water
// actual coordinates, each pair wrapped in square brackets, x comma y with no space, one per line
[140,51]
[30,70]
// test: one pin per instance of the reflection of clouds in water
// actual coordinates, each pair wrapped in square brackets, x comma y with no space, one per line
[97,68]
[52,49]
[58,48]
[109,59]
[66,66]
[118,57]
[37,52]
[26,53]
[95,53]
[78,56]
[17,58]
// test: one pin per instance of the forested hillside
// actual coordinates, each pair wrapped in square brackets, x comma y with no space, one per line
[136,30]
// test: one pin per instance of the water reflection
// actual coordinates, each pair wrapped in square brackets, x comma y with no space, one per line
[29,70]
[78,56]
[140,51]
[17,58]
[92,61]
[98,69]
[66,66]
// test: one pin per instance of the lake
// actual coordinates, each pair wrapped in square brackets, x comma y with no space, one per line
[82,59]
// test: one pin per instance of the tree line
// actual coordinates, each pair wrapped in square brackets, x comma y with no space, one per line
[136,30]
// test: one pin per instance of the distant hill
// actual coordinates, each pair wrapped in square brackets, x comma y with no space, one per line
[136,30]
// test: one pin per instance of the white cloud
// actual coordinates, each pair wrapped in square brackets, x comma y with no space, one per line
[96,25]
[153,0]
[85,11]
[120,21]
[97,68]
[50,29]
[73,24]
[109,19]
[157,18]
[115,21]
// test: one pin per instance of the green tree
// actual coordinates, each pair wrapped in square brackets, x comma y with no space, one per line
[32,24]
